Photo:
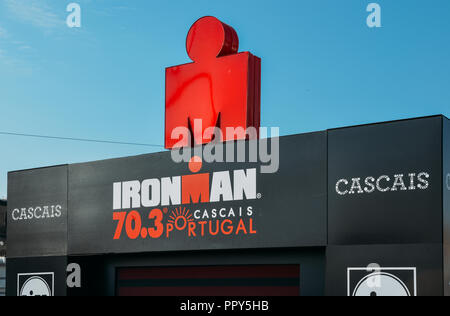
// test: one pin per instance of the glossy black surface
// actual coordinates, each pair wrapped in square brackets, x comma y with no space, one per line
[290,213]
[446,189]
[395,217]
[425,258]
[32,189]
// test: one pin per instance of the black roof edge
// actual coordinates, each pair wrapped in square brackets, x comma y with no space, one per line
[392,121]
[39,168]
[313,132]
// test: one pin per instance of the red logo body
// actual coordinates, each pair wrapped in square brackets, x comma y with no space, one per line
[221,87]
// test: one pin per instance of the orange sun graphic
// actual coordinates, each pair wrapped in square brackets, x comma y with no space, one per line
[180,217]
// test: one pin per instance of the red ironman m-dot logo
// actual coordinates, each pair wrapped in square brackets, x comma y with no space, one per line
[221,87]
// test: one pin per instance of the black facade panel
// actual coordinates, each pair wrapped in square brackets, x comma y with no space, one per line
[45,276]
[290,210]
[2,220]
[94,278]
[374,196]
[446,189]
[37,212]
[310,260]
[418,267]
[3,211]
[405,158]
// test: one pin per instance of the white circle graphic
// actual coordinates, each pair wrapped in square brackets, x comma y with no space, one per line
[387,285]
[35,286]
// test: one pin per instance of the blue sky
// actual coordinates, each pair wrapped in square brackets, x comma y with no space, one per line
[322,68]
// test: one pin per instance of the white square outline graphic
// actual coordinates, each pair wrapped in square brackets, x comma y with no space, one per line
[36,274]
[367,269]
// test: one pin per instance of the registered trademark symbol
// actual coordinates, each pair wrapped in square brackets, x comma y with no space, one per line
[258,196]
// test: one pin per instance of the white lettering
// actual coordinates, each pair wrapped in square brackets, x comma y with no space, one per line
[221,187]
[150,192]
[130,192]
[384,184]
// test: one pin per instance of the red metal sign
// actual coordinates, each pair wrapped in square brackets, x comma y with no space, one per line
[221,87]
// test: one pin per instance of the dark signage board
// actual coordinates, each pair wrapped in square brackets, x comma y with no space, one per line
[137,204]
[99,273]
[385,183]
[2,220]
[384,270]
[446,189]
[44,276]
[37,212]
[375,198]
[94,279]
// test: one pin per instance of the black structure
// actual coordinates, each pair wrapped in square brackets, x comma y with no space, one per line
[2,247]
[354,211]
[2,228]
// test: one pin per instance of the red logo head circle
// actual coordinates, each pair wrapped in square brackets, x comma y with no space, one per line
[209,38]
